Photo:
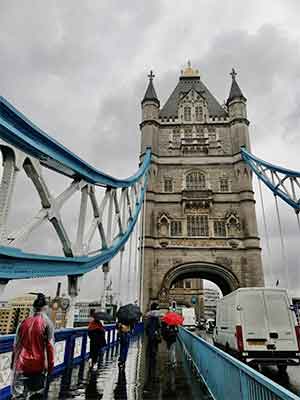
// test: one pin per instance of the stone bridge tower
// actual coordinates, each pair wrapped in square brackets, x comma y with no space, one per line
[200,208]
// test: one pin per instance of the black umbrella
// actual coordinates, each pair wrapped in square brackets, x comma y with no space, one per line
[102,316]
[129,314]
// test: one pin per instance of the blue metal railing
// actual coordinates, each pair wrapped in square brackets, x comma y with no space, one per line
[71,348]
[227,377]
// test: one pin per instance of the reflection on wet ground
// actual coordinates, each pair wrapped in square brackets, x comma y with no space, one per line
[140,380]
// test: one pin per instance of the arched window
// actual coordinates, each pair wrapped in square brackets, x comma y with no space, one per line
[195,181]
[199,113]
[187,113]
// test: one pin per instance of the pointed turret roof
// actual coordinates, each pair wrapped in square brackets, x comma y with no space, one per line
[235,91]
[150,94]
[190,79]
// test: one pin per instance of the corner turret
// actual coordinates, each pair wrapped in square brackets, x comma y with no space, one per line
[150,115]
[237,109]
[236,101]
[150,102]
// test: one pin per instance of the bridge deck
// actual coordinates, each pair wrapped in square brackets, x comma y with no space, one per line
[136,383]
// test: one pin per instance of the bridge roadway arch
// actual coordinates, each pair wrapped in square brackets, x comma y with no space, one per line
[225,279]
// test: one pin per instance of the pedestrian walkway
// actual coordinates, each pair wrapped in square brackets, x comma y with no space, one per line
[135,383]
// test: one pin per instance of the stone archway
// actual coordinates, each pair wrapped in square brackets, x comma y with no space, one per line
[221,276]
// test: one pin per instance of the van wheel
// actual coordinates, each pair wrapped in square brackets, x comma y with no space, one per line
[282,368]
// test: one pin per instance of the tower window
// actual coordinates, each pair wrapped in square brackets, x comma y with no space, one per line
[187,113]
[187,284]
[199,113]
[197,225]
[220,228]
[176,228]
[168,185]
[178,285]
[195,181]
[224,185]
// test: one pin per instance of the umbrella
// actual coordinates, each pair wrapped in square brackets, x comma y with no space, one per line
[129,313]
[102,316]
[172,318]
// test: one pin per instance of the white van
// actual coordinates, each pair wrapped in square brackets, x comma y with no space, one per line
[257,325]
[189,318]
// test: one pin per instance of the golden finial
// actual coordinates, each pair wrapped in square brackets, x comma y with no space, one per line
[189,71]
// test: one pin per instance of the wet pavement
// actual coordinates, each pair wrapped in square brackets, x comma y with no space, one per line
[290,380]
[139,380]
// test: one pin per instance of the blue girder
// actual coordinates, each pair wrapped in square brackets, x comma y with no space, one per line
[18,131]
[15,264]
[262,168]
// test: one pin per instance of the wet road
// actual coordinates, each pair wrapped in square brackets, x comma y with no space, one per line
[290,381]
[139,381]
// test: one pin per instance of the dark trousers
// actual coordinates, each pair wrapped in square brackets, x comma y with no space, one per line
[32,386]
[151,355]
[124,346]
[95,350]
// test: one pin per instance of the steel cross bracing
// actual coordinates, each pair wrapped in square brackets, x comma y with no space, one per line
[116,203]
[283,182]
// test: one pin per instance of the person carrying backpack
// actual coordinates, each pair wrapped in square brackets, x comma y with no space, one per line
[33,353]
[169,333]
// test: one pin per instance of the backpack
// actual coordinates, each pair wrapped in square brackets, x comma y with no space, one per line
[169,333]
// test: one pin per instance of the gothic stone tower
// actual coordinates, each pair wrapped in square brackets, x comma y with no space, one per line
[200,207]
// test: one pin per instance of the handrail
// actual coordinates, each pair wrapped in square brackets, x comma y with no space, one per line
[20,132]
[228,378]
[71,348]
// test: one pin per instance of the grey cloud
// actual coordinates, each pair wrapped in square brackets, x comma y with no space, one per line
[78,70]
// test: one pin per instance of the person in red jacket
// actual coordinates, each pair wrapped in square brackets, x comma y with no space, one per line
[33,354]
[96,333]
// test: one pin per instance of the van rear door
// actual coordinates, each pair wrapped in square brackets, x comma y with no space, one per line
[281,322]
[253,320]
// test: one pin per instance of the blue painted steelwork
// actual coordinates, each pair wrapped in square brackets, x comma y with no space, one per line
[227,377]
[15,264]
[67,336]
[18,131]
[261,168]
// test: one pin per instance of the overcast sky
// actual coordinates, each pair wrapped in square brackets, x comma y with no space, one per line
[78,69]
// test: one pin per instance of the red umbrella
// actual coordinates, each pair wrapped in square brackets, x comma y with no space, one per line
[172,318]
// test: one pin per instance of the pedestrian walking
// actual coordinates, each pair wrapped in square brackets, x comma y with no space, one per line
[153,333]
[33,353]
[169,333]
[96,333]
[128,315]
[124,337]
[170,322]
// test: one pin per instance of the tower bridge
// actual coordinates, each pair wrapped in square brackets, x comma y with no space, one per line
[188,212]
[200,201]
